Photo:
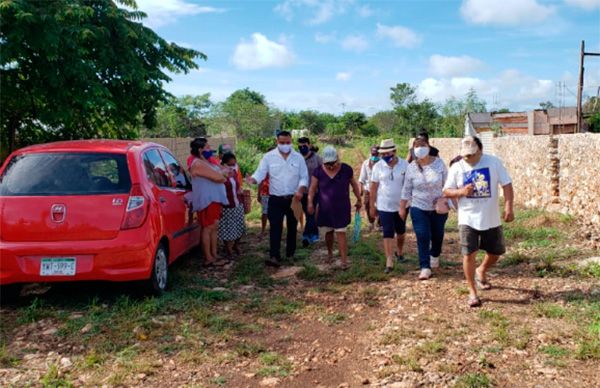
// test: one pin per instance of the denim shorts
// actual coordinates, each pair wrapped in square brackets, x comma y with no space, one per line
[472,240]
[391,224]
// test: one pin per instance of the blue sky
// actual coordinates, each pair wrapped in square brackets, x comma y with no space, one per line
[344,55]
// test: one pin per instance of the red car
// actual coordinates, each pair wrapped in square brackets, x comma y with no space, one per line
[92,210]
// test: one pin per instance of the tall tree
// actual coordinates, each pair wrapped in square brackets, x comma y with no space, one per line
[413,115]
[181,117]
[402,94]
[353,122]
[81,68]
[546,105]
[248,114]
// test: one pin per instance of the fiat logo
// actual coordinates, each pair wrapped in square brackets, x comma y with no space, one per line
[58,212]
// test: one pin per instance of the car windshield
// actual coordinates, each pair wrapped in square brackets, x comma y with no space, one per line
[65,174]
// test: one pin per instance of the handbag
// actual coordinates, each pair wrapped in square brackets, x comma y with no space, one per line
[441,205]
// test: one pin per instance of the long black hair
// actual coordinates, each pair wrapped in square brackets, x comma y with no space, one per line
[196,145]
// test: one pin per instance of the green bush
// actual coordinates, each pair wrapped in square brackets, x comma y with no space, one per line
[248,156]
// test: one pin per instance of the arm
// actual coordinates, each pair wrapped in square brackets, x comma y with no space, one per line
[406,196]
[356,188]
[314,183]
[260,174]
[373,192]
[304,180]
[201,170]
[509,196]
[363,177]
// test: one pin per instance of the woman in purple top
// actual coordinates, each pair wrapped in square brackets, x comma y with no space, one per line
[332,181]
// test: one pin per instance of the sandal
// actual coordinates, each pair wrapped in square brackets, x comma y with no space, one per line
[482,284]
[474,301]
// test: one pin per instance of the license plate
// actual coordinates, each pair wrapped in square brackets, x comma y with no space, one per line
[60,266]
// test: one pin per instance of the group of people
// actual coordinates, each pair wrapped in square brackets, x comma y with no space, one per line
[302,184]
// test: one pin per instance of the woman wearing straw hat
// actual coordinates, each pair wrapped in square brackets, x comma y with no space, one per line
[387,181]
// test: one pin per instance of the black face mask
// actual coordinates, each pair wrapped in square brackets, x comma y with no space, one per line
[304,150]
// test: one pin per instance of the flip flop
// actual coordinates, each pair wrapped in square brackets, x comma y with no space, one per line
[474,301]
[482,285]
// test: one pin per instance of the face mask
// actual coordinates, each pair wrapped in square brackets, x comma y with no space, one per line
[388,158]
[304,150]
[421,152]
[207,154]
[284,148]
[375,158]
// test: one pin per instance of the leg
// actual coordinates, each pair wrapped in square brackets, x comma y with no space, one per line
[229,248]
[236,247]
[469,246]
[208,256]
[388,248]
[292,225]
[400,229]
[422,227]
[263,224]
[387,223]
[306,232]
[487,263]
[469,270]
[214,241]
[438,222]
[492,241]
[275,214]
[343,247]
[329,243]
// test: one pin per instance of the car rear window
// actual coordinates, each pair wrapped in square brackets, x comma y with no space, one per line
[66,174]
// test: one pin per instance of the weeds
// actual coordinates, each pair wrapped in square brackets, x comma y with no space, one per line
[334,318]
[549,310]
[473,380]
[274,364]
[53,379]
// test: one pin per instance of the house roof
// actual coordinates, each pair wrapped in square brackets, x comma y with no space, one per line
[479,120]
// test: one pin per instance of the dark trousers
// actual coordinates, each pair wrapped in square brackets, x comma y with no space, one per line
[429,228]
[310,226]
[280,207]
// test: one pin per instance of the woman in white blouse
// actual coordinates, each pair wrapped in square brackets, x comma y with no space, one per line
[423,185]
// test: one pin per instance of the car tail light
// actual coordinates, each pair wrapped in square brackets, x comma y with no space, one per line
[137,209]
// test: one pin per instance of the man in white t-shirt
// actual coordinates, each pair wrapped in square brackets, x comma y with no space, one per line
[474,182]
[387,180]
[364,179]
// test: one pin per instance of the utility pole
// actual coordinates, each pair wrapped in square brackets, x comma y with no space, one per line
[580,84]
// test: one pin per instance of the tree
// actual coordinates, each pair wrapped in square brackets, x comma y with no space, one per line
[386,121]
[413,115]
[546,105]
[246,112]
[353,121]
[454,111]
[402,95]
[181,117]
[81,68]
[312,121]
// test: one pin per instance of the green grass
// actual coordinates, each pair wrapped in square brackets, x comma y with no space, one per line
[512,259]
[7,360]
[249,349]
[274,364]
[334,318]
[310,272]
[251,270]
[554,351]
[549,310]
[473,380]
[53,379]
[409,362]
[279,307]
[431,348]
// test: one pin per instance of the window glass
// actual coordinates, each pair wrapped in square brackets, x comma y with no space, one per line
[155,169]
[177,171]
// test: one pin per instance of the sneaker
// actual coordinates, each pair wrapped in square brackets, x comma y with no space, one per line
[399,257]
[388,269]
[425,274]
[435,262]
[305,242]
[314,239]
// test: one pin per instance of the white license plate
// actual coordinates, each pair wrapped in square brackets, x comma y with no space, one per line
[59,266]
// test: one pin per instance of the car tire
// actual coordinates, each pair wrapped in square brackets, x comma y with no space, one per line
[10,293]
[157,284]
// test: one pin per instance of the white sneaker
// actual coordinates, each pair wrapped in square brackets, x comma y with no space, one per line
[434,261]
[425,274]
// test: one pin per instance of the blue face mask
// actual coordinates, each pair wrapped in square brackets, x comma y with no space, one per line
[388,158]
[375,158]
[207,154]
[303,149]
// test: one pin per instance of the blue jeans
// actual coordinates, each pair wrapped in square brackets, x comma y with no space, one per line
[311,231]
[429,228]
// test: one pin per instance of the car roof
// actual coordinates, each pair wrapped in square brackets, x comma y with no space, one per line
[94,145]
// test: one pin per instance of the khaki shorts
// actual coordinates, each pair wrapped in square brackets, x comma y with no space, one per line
[327,229]
[472,240]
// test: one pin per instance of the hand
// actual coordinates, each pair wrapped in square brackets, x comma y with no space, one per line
[249,180]
[509,215]
[299,194]
[310,208]
[373,212]
[467,190]
[258,199]
[358,205]
[402,213]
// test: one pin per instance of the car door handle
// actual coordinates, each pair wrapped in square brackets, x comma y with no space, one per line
[162,200]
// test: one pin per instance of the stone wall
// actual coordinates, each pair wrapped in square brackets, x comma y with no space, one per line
[571,186]
[180,146]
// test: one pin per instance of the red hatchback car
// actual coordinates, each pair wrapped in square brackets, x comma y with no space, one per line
[92,210]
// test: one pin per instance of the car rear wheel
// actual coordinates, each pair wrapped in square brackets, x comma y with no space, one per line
[160,271]
[10,293]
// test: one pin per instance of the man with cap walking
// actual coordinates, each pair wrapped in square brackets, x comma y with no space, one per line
[386,192]
[313,161]
[366,171]
[474,182]
[333,181]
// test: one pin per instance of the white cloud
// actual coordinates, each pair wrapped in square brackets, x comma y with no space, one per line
[364,11]
[343,76]
[585,4]
[507,12]
[443,66]
[260,53]
[401,36]
[357,43]
[321,10]
[163,12]
[325,38]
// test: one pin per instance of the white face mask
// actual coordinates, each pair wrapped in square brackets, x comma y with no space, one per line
[421,152]
[284,148]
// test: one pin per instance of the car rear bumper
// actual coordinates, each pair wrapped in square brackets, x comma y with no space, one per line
[128,257]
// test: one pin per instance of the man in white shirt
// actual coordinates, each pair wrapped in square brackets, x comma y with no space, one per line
[387,181]
[288,178]
[366,171]
[474,182]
